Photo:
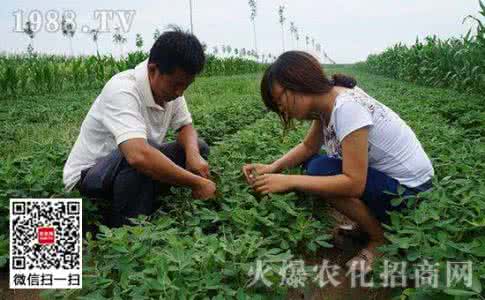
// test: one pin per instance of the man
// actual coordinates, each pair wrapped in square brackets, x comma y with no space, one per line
[119,154]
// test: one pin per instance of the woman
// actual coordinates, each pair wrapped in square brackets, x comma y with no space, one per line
[371,152]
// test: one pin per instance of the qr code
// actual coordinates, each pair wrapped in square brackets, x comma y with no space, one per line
[45,243]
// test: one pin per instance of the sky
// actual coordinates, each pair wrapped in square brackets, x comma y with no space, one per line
[348,30]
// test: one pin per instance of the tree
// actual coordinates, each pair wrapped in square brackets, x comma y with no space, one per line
[31,34]
[327,57]
[215,50]
[119,39]
[68,31]
[318,48]
[139,41]
[191,23]
[253,9]
[293,32]
[281,13]
[297,36]
[94,35]
[307,41]
[156,34]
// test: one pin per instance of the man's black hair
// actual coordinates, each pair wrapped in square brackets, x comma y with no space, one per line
[176,48]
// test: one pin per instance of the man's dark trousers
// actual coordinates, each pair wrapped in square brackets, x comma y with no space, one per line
[130,192]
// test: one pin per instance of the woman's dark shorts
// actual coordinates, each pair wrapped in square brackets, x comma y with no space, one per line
[380,189]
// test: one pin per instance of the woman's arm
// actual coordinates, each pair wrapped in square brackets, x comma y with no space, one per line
[303,151]
[351,183]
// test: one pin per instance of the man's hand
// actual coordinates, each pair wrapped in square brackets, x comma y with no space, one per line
[251,171]
[205,189]
[197,165]
[187,137]
[272,183]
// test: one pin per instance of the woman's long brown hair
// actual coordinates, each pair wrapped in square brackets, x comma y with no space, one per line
[299,72]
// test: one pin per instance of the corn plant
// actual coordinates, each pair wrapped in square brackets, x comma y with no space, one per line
[34,74]
[456,62]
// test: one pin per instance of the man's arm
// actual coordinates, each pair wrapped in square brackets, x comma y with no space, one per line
[150,161]
[187,137]
[123,118]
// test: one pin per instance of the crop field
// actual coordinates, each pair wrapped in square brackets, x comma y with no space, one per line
[206,249]
[457,62]
[39,73]
[240,244]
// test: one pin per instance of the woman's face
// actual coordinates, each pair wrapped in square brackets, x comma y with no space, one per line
[292,104]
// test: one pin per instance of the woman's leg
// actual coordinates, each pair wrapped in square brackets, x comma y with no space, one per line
[357,211]
[367,212]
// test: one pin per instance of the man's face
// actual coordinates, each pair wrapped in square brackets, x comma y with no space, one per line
[168,87]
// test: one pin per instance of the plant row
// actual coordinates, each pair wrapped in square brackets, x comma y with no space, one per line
[34,161]
[458,63]
[207,249]
[38,74]
[446,224]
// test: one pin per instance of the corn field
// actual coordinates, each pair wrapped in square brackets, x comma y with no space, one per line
[457,62]
[38,74]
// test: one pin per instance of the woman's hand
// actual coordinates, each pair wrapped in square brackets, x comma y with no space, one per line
[272,183]
[251,171]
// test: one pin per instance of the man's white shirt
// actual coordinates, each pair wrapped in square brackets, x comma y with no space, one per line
[125,109]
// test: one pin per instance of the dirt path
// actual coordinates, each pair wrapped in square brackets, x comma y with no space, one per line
[17,294]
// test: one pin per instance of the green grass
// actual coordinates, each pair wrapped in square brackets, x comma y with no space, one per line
[206,248]
[31,123]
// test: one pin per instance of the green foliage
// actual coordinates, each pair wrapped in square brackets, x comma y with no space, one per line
[39,74]
[38,136]
[221,239]
[447,224]
[457,62]
[204,249]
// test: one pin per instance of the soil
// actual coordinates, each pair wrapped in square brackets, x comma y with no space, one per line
[16,294]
